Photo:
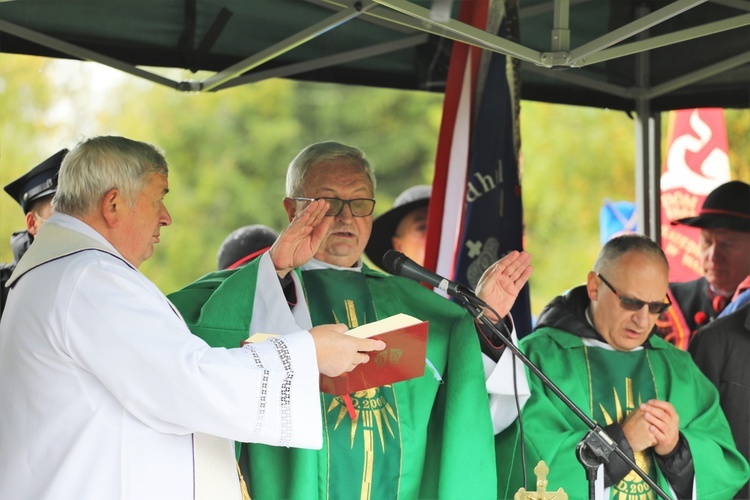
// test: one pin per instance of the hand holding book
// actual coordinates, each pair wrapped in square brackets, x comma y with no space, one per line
[336,352]
[403,357]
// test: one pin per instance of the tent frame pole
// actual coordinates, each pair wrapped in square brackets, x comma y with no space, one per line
[647,151]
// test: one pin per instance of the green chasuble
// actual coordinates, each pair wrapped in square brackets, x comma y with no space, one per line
[607,385]
[429,437]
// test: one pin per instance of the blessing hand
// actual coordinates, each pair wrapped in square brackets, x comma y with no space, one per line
[301,239]
[502,281]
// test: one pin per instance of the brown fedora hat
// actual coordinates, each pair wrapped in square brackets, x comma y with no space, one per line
[726,207]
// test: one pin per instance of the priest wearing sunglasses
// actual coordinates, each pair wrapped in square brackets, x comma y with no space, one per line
[596,342]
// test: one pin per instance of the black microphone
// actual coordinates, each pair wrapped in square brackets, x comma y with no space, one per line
[399,264]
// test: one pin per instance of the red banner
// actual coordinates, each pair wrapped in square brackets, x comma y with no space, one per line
[695,164]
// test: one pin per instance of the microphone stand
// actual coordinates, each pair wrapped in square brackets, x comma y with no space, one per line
[596,446]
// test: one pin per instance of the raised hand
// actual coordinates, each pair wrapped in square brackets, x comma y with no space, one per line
[664,425]
[502,281]
[338,353]
[301,239]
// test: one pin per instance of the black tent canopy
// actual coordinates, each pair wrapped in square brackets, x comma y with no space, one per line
[603,53]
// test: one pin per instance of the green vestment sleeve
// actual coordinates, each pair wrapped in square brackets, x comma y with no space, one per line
[552,431]
[206,309]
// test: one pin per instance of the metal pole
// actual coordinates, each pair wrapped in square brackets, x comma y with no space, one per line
[647,151]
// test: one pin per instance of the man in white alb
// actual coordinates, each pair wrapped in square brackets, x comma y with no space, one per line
[105,392]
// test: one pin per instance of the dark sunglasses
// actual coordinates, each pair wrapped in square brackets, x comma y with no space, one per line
[359,207]
[636,305]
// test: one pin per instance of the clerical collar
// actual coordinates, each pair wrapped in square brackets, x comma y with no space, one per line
[600,343]
[76,224]
[315,264]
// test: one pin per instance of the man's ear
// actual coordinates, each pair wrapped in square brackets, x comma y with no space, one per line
[31,223]
[111,207]
[291,208]
[592,285]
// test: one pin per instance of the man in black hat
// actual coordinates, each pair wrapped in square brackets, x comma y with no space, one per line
[33,191]
[724,221]
[402,228]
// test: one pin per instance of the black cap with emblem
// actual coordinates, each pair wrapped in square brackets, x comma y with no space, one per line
[38,182]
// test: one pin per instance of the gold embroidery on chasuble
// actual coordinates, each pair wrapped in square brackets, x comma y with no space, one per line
[364,453]
[619,382]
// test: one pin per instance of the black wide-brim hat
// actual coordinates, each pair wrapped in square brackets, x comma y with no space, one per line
[384,227]
[726,207]
[38,182]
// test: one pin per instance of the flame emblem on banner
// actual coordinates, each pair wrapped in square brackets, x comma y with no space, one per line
[713,170]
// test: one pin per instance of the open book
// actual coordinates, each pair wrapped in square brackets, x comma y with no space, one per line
[403,357]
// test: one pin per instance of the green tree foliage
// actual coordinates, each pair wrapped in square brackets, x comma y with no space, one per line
[26,136]
[738,138]
[573,158]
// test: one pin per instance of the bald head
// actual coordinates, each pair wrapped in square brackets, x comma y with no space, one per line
[615,248]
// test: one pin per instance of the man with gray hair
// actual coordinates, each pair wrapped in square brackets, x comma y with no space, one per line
[105,392]
[427,437]
[597,344]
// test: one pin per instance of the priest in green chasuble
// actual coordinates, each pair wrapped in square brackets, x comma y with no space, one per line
[596,343]
[428,437]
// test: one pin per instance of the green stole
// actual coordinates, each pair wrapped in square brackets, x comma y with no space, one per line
[364,454]
[620,382]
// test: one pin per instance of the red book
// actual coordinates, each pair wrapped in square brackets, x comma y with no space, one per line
[403,357]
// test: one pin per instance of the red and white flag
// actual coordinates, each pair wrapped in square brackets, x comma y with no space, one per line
[452,157]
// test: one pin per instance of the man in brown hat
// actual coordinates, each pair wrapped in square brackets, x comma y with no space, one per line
[402,228]
[724,221]
[33,191]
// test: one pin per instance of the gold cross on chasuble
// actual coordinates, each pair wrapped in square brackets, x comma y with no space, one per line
[364,453]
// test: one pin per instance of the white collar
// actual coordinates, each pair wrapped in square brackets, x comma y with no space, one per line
[76,224]
[315,264]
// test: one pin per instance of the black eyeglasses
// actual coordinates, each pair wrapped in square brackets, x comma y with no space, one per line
[636,305]
[359,207]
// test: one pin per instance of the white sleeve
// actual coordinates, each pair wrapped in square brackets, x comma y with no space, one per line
[122,331]
[271,312]
[501,386]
